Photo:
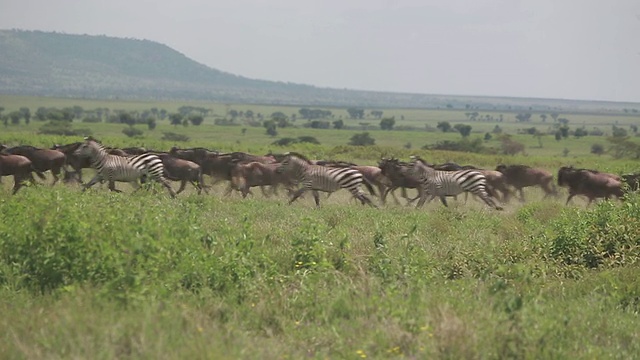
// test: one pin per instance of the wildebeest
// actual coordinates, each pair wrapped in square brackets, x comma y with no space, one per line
[176,169]
[20,167]
[587,183]
[41,159]
[246,175]
[399,177]
[76,162]
[521,176]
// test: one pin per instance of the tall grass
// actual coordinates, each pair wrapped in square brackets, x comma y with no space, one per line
[119,275]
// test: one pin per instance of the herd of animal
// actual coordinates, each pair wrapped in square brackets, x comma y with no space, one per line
[298,174]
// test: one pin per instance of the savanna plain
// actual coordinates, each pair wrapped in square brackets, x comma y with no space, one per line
[105,275]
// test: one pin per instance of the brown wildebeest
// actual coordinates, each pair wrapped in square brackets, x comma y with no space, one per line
[399,176]
[197,155]
[521,176]
[76,162]
[592,185]
[20,167]
[176,169]
[41,159]
[496,182]
[244,176]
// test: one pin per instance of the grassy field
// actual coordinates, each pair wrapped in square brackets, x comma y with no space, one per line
[105,275]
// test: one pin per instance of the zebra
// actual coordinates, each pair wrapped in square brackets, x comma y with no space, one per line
[449,183]
[114,168]
[320,178]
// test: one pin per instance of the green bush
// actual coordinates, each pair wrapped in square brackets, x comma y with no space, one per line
[132,132]
[606,236]
[171,136]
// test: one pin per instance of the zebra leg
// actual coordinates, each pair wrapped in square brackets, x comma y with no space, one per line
[297,194]
[316,197]
[489,201]
[444,200]
[92,182]
[112,186]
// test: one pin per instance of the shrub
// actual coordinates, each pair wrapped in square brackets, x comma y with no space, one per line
[308,139]
[606,236]
[597,149]
[362,139]
[91,119]
[171,136]
[132,132]
[61,127]
[285,141]
[464,145]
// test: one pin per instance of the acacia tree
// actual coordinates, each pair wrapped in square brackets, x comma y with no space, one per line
[463,129]
[176,119]
[196,120]
[444,126]
[387,123]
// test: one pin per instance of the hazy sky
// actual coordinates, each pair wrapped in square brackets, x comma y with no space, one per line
[572,49]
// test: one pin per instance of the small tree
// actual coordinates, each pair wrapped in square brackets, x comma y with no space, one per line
[271,128]
[597,149]
[338,124]
[619,132]
[15,117]
[558,135]
[463,129]
[196,120]
[580,132]
[487,136]
[26,114]
[151,123]
[387,123]
[175,119]
[132,131]
[362,139]
[127,118]
[444,126]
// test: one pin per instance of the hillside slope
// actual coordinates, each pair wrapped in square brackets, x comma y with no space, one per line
[65,65]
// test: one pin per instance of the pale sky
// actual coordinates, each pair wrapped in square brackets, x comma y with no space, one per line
[570,49]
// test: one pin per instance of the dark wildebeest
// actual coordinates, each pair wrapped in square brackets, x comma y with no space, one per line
[41,159]
[76,162]
[592,185]
[521,176]
[245,175]
[400,177]
[176,169]
[20,167]
[449,166]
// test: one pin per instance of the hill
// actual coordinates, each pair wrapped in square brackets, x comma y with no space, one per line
[66,65]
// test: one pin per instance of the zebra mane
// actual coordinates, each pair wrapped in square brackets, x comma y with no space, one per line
[298,155]
[91,138]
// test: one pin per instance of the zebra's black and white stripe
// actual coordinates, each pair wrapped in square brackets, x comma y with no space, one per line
[320,178]
[449,183]
[114,168]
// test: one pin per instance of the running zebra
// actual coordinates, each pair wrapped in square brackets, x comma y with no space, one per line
[320,178]
[449,183]
[114,168]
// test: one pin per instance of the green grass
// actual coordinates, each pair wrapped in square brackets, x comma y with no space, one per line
[106,275]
